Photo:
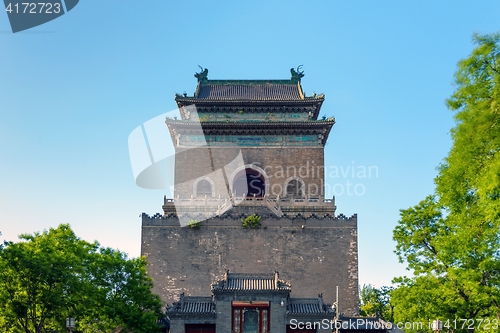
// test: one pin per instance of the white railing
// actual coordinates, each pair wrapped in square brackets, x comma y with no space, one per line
[226,203]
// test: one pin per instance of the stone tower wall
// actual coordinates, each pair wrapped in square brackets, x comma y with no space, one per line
[314,254]
[279,165]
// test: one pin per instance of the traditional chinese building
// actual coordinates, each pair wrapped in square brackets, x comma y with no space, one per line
[250,303]
[250,150]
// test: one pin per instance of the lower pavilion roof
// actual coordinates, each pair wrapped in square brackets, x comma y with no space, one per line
[252,127]
[311,106]
[241,123]
[251,282]
[308,306]
[192,305]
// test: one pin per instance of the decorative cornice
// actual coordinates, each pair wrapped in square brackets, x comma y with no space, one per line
[308,106]
[251,124]
[186,100]
[320,127]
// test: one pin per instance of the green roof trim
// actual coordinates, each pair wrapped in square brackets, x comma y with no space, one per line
[243,82]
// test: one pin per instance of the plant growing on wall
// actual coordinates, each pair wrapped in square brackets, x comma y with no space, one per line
[205,118]
[251,221]
[194,224]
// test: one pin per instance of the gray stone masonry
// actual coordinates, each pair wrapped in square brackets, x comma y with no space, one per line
[315,254]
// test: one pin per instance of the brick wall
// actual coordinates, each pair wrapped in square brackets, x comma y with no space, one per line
[279,164]
[315,259]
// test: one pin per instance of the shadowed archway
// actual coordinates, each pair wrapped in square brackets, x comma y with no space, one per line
[250,182]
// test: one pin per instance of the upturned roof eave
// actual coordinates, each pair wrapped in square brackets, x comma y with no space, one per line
[322,313]
[185,101]
[178,314]
[252,124]
[251,291]
[319,126]
[324,125]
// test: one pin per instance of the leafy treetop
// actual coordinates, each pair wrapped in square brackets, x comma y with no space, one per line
[52,275]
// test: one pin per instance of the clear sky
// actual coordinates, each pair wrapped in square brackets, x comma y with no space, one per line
[73,89]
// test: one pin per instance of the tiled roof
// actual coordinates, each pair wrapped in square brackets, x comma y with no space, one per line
[251,282]
[198,307]
[254,127]
[308,306]
[252,91]
[305,308]
[193,305]
[365,323]
[327,123]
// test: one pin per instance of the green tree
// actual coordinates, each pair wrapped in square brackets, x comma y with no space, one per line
[49,276]
[451,239]
[376,302]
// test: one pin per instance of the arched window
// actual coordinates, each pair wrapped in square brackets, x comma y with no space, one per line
[249,182]
[203,188]
[295,189]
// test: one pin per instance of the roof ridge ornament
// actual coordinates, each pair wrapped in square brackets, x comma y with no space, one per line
[202,76]
[296,74]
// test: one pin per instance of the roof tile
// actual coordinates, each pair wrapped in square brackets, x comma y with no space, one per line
[250,282]
[259,92]
[305,308]
[308,306]
[192,305]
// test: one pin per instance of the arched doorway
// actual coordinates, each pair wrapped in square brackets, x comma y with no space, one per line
[295,188]
[203,188]
[250,182]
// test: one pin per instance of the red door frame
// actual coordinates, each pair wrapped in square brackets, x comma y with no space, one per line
[240,306]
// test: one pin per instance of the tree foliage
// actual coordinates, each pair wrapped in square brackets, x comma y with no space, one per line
[375,302]
[49,276]
[451,239]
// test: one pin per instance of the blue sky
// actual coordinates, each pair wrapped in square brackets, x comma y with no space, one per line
[73,89]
